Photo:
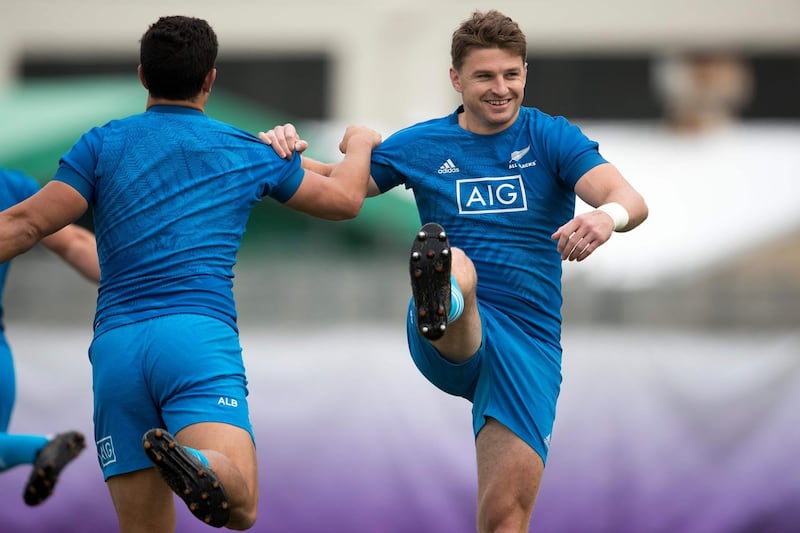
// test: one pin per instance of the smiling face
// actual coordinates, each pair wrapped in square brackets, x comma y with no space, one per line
[492,84]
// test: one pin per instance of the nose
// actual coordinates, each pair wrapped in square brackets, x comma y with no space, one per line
[500,87]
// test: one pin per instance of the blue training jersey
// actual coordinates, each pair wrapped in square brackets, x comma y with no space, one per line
[171,191]
[15,186]
[499,197]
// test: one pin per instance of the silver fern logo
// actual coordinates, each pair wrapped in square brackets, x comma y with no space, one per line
[517,155]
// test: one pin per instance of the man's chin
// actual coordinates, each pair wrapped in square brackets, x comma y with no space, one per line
[502,118]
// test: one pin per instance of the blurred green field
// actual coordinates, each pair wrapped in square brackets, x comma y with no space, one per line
[42,119]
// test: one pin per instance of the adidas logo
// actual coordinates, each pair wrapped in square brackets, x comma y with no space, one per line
[448,167]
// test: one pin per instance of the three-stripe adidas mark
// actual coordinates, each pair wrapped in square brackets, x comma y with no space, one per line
[448,167]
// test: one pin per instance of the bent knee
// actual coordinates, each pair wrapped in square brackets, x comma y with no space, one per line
[464,271]
[503,515]
[241,521]
[242,518]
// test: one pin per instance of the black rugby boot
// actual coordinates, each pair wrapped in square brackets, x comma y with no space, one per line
[429,268]
[188,477]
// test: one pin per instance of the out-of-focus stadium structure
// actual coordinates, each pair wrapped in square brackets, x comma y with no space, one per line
[323,64]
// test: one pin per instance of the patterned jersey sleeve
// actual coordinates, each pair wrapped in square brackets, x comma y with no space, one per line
[77,167]
[572,152]
[388,159]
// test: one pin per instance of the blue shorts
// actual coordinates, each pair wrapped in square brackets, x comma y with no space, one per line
[514,377]
[169,372]
[8,386]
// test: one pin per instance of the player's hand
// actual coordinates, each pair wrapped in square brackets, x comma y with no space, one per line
[361,133]
[284,140]
[582,235]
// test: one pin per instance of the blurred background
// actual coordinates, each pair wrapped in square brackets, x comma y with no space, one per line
[681,342]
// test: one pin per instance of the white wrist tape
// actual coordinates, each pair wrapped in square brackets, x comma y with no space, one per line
[617,213]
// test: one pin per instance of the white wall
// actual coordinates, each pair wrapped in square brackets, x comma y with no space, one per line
[391,57]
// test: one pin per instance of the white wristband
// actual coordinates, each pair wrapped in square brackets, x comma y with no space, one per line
[617,213]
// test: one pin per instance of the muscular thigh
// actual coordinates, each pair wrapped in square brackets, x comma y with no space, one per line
[235,443]
[508,468]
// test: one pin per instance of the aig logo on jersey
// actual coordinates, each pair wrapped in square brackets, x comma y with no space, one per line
[105,451]
[490,195]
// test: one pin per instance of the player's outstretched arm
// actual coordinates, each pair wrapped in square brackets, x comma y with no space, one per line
[23,225]
[619,207]
[339,195]
[78,247]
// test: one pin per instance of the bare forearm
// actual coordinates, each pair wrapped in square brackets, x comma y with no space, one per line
[319,167]
[352,174]
[325,169]
[84,263]
[634,204]
[340,195]
[605,185]
[78,248]
[23,225]
[16,237]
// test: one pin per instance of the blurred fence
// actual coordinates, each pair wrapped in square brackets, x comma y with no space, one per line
[308,286]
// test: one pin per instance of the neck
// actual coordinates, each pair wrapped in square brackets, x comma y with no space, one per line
[472,124]
[195,103]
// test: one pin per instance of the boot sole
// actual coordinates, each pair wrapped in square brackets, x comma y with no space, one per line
[195,483]
[429,269]
[49,463]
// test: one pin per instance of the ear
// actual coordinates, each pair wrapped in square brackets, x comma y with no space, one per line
[524,74]
[455,80]
[209,81]
[141,76]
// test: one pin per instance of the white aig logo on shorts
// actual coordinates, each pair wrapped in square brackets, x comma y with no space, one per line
[105,451]
[490,195]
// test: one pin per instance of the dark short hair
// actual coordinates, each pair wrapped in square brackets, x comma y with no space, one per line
[176,54]
[491,29]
